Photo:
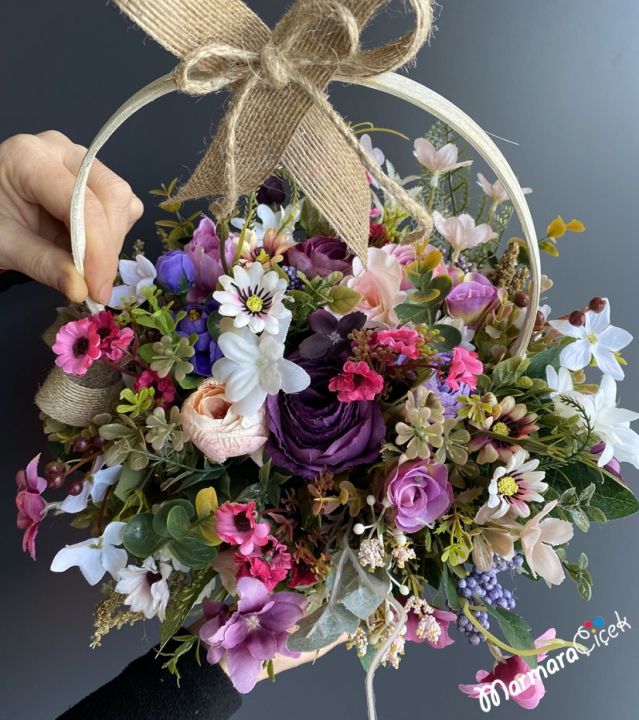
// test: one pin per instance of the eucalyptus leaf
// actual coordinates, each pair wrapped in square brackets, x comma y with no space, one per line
[160,519]
[192,552]
[449,337]
[178,523]
[322,627]
[139,537]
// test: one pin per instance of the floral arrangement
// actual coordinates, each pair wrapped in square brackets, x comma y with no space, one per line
[308,445]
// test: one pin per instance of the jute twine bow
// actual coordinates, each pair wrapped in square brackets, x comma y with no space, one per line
[279,114]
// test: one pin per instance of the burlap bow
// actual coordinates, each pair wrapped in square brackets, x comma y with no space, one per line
[279,113]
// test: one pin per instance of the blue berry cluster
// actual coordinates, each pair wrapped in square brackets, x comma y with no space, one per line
[485,586]
[294,282]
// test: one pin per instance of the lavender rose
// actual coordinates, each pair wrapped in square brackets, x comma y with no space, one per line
[418,493]
[312,430]
[204,252]
[175,271]
[320,256]
[472,299]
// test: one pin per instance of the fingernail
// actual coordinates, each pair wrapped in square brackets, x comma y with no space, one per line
[105,293]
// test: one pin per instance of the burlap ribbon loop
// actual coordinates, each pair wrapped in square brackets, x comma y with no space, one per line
[279,113]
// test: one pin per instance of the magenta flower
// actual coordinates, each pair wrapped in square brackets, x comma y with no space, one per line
[252,634]
[426,623]
[403,341]
[31,507]
[472,299]
[236,525]
[464,367]
[357,382]
[77,346]
[419,493]
[164,388]
[269,563]
[513,675]
[114,340]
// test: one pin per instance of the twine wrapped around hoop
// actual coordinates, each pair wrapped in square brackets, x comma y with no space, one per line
[75,400]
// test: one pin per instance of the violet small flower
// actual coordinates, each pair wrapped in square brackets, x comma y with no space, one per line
[330,335]
[252,634]
[207,351]
[176,271]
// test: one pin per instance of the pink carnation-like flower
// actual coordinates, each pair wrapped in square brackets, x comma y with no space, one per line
[114,340]
[357,382]
[164,388]
[525,687]
[236,525]
[402,340]
[269,563]
[464,367]
[31,507]
[77,346]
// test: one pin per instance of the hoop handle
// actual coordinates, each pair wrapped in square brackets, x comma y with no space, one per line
[391,83]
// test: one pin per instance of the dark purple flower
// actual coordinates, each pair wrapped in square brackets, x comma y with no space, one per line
[312,430]
[175,271]
[613,467]
[206,349]
[254,633]
[272,192]
[320,256]
[419,493]
[330,335]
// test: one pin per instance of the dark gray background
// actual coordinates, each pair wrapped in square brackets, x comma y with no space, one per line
[561,79]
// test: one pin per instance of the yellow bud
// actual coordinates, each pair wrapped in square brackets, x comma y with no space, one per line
[557,228]
[575,226]
[549,248]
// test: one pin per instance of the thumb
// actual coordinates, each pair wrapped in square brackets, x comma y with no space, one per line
[23,250]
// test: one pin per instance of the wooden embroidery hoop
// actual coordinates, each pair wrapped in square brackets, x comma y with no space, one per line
[405,89]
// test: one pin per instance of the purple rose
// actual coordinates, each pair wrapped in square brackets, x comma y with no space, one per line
[272,192]
[419,493]
[204,252]
[175,271]
[320,256]
[312,430]
[206,349]
[472,299]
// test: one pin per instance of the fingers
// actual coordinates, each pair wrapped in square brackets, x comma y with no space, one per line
[30,254]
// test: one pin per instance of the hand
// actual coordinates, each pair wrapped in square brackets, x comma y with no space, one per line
[280,662]
[37,173]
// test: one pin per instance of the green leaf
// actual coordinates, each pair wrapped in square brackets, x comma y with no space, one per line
[443,284]
[146,352]
[190,382]
[611,497]
[180,605]
[451,589]
[450,337]
[507,372]
[178,523]
[139,537]
[411,312]
[322,627]
[192,552]
[160,519]
[129,480]
[516,631]
[367,658]
[583,561]
[355,596]
[539,362]
[342,299]
[213,324]
[310,219]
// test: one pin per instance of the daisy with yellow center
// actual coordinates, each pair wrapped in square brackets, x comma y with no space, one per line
[512,487]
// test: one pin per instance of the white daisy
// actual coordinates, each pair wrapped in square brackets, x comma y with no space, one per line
[146,588]
[253,298]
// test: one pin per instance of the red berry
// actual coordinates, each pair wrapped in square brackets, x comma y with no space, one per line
[75,487]
[99,441]
[55,468]
[57,481]
[597,304]
[577,318]
[521,300]
[540,319]
[81,445]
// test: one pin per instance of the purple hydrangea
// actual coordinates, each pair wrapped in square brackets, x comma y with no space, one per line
[312,431]
[447,396]
[252,634]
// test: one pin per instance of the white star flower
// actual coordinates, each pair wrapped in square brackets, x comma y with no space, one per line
[95,556]
[282,220]
[136,275]
[596,340]
[461,232]
[254,367]
[253,298]
[561,384]
[94,487]
[612,424]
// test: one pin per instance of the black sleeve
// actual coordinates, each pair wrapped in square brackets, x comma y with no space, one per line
[143,691]
[9,278]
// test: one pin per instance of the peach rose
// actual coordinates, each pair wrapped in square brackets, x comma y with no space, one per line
[211,426]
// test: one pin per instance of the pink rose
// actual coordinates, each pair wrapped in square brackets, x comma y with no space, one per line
[472,298]
[215,430]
